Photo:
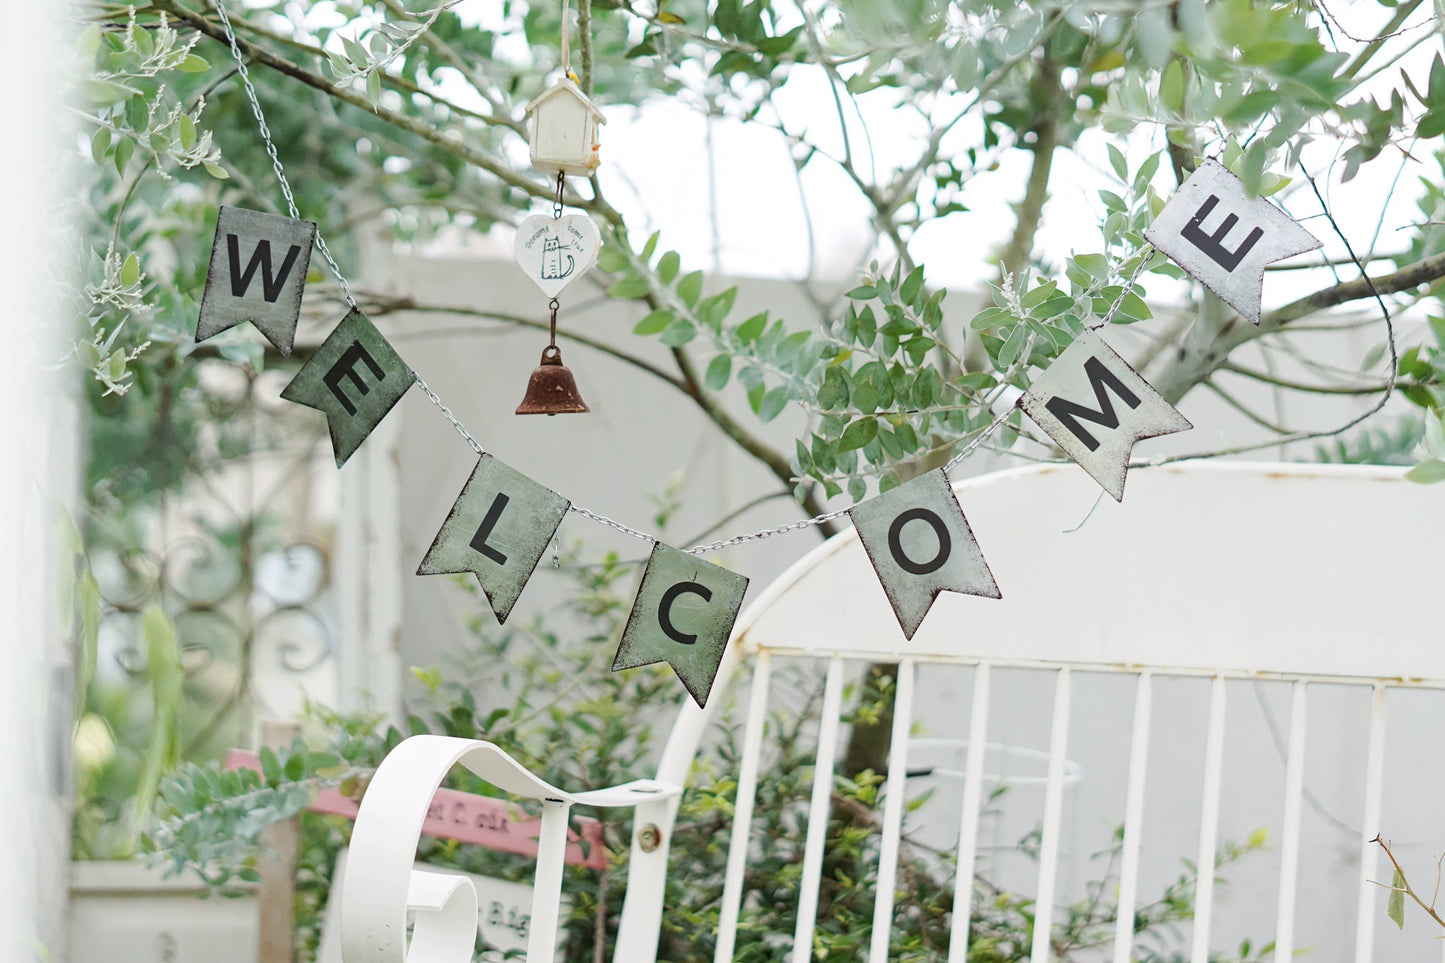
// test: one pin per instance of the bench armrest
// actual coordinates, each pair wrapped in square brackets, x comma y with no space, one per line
[380,884]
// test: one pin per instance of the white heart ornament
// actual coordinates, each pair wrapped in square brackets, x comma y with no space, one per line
[555,251]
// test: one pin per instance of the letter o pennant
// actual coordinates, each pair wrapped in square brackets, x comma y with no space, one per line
[920,545]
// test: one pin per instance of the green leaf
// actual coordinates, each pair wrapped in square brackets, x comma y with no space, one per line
[858,434]
[689,288]
[752,328]
[130,270]
[373,87]
[187,128]
[632,288]
[773,403]
[650,247]
[99,144]
[862,293]
[718,372]
[194,64]
[1428,472]
[679,333]
[1116,161]
[270,765]
[1395,906]
[667,267]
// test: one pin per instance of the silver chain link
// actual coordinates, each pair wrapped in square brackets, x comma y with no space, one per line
[1147,255]
[969,448]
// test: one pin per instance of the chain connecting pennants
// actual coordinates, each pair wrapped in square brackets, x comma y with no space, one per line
[1247,233]
[1089,402]
[498,530]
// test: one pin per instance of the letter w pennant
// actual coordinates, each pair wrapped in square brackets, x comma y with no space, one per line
[1095,407]
[258,272]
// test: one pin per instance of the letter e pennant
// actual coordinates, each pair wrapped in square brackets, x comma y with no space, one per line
[1246,233]
[258,271]
[1126,409]
[683,615]
[498,530]
[920,545]
[355,378]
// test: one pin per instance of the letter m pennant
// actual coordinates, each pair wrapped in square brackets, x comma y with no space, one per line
[258,271]
[1095,407]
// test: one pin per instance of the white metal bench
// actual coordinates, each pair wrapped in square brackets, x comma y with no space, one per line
[1296,577]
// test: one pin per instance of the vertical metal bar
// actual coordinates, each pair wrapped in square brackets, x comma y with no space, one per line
[1053,812]
[895,790]
[1209,822]
[743,813]
[818,813]
[1369,865]
[1294,774]
[547,892]
[1133,819]
[968,819]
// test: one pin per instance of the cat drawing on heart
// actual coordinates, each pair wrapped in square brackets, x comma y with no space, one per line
[552,267]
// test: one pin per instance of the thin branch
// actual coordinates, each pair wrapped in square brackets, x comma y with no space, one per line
[1405,883]
[1299,385]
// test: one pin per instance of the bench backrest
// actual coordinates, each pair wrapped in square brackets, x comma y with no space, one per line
[1305,583]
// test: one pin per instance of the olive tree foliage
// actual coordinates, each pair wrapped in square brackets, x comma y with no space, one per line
[401,111]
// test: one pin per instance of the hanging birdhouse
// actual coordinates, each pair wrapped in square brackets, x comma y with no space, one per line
[564,130]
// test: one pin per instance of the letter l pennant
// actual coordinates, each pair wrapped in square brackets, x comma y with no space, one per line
[498,530]
[683,615]
[920,545]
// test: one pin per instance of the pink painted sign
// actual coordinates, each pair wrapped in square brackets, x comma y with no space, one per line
[482,820]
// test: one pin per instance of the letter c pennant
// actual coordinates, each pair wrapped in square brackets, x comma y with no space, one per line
[920,545]
[683,615]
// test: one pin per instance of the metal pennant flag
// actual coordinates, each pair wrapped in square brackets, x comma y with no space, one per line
[258,271]
[1244,234]
[498,530]
[920,545]
[355,378]
[1089,372]
[683,615]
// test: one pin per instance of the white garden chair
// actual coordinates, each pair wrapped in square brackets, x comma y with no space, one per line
[1227,573]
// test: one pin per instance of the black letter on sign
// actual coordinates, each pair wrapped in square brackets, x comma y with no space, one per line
[345,367]
[479,540]
[261,257]
[1213,244]
[664,609]
[1100,379]
[895,542]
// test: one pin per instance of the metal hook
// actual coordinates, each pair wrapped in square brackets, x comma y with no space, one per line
[554,304]
[557,200]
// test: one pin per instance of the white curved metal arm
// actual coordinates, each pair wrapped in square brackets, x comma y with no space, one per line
[380,885]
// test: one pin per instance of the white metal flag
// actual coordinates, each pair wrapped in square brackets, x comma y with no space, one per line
[1089,372]
[1245,234]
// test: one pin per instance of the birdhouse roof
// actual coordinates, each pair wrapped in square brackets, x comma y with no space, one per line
[566,86]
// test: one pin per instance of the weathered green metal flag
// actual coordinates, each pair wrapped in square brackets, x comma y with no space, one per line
[1081,386]
[257,274]
[683,615]
[355,378]
[920,545]
[498,530]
